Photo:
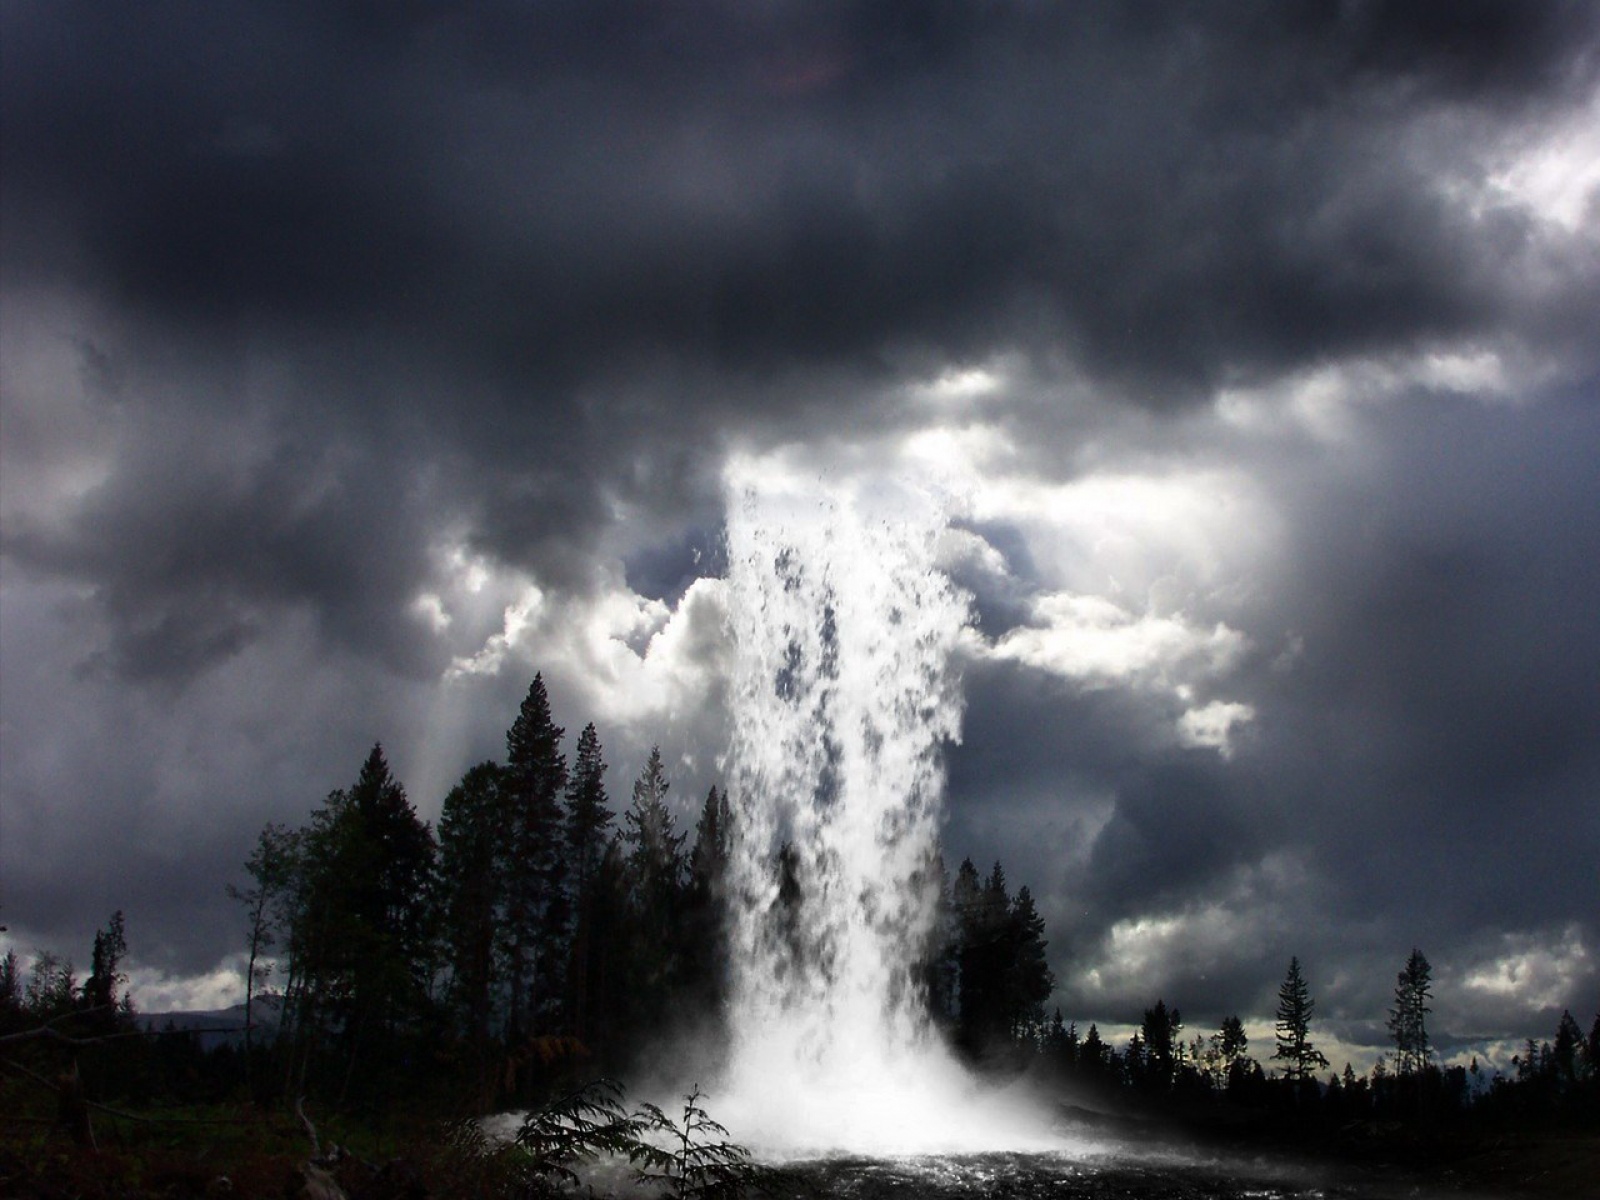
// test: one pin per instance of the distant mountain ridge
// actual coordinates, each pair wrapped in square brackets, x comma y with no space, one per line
[216,1027]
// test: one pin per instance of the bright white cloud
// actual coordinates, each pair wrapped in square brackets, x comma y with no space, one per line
[1555,174]
[1529,970]
[962,384]
[1139,954]
[1211,725]
[155,991]
[630,658]
[638,660]
[520,616]
[429,608]
[1097,642]
[1168,535]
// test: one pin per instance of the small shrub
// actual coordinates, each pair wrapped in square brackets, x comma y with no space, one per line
[697,1162]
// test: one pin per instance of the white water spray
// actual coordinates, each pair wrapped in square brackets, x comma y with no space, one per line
[843,695]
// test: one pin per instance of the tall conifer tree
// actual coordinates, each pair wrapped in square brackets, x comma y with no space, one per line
[588,823]
[588,812]
[472,902]
[532,864]
[1299,1056]
[655,877]
[1028,978]
[1408,1020]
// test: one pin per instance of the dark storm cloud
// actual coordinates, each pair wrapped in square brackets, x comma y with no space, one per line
[191,553]
[542,192]
[1457,663]
[502,220]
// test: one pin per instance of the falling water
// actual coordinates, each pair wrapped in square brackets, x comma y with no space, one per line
[843,697]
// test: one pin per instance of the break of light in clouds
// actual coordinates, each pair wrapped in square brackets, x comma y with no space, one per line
[355,363]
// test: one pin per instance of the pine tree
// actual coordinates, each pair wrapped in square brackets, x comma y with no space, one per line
[1223,1051]
[650,831]
[713,835]
[588,812]
[532,864]
[1567,1052]
[973,980]
[1092,1055]
[1161,1027]
[100,989]
[940,969]
[654,865]
[472,899]
[361,929]
[10,991]
[588,821]
[1232,1038]
[608,1017]
[1028,979]
[1408,1018]
[703,922]
[1301,1059]
[391,887]
[1592,1054]
[52,988]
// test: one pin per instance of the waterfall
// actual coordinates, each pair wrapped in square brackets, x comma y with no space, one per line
[844,694]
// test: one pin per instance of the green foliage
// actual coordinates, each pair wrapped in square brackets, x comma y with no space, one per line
[687,1158]
[694,1160]
[575,1128]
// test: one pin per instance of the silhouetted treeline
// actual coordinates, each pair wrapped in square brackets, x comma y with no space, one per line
[1206,1075]
[73,1043]
[534,934]
[986,974]
[540,936]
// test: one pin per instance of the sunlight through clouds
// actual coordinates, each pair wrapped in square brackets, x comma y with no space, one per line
[1557,175]
[1095,641]
[520,615]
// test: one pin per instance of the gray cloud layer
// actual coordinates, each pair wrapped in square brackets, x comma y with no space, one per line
[301,301]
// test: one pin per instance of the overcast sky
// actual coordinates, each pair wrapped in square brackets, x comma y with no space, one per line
[359,359]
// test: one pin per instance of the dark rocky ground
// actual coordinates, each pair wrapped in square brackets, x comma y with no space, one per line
[1530,1159]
